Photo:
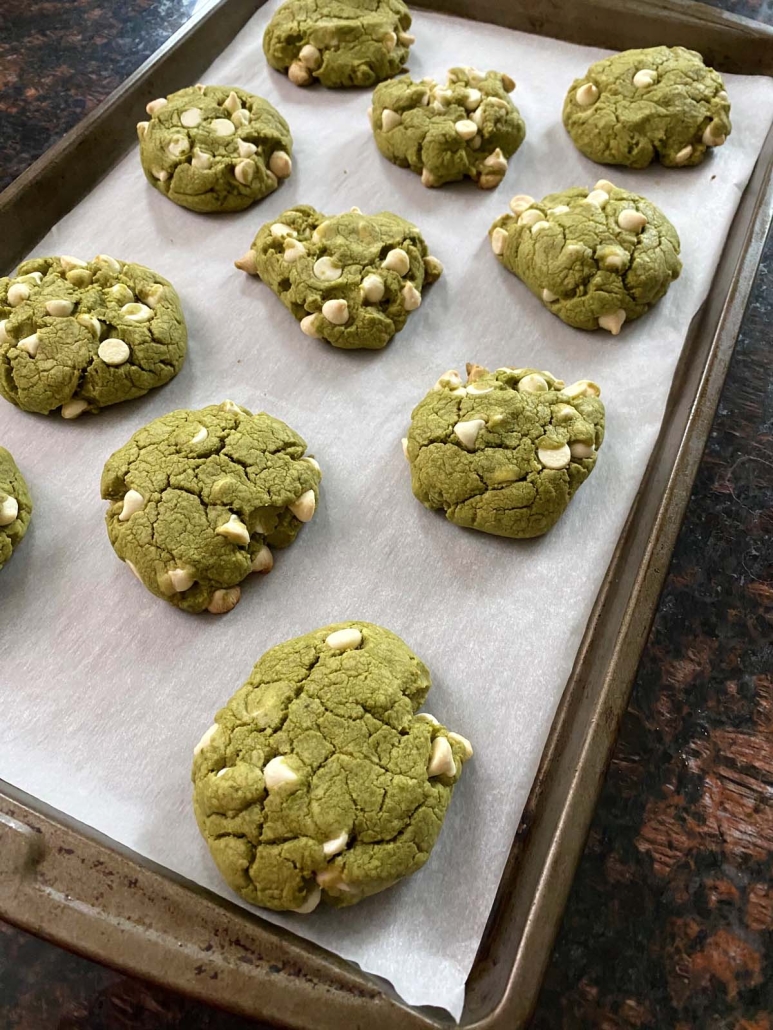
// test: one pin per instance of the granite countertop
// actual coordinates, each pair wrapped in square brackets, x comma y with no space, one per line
[670,920]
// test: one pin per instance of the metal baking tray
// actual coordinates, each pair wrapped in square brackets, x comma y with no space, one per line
[68,883]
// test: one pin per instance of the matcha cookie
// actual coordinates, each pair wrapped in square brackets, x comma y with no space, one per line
[339,43]
[79,335]
[199,498]
[506,453]
[595,259]
[469,127]
[15,506]
[214,148]
[318,779]
[350,279]
[661,103]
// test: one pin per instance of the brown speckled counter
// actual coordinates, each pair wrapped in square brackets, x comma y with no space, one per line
[670,921]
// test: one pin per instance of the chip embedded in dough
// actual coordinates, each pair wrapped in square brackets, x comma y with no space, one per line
[318,779]
[15,506]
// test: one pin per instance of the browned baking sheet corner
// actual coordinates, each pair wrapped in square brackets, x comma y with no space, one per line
[157,925]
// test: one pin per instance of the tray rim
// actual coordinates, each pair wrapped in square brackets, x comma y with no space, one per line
[28,861]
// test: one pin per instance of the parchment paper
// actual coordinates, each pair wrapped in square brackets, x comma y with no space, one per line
[106,689]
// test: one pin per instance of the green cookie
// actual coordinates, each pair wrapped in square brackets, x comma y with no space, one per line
[469,127]
[595,259]
[358,43]
[79,335]
[506,453]
[317,778]
[350,279]
[200,497]
[15,506]
[214,148]
[661,103]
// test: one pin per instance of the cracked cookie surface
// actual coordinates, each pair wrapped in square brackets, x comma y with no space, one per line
[338,43]
[506,452]
[349,279]
[469,127]
[214,148]
[655,104]
[15,506]
[199,498]
[80,335]
[318,779]
[595,258]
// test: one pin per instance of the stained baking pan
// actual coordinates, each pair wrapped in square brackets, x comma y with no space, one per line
[66,882]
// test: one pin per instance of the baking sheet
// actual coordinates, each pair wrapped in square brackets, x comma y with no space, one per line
[105,689]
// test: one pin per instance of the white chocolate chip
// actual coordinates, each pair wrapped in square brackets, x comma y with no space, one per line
[224,600]
[712,138]
[631,220]
[336,311]
[133,502]
[467,432]
[475,143]
[645,78]
[79,277]
[200,87]
[411,297]
[232,103]
[472,99]
[180,580]
[478,391]
[312,461]
[156,105]
[326,270]
[433,268]
[390,119]
[582,388]
[539,226]
[389,41]
[310,56]
[372,288]
[530,217]
[299,74]
[72,409]
[426,717]
[278,772]
[110,262]
[113,351]
[554,457]
[441,759]
[508,82]
[532,383]
[134,571]
[313,898]
[247,263]
[30,344]
[17,294]
[263,560]
[336,845]
[223,127]
[581,450]
[142,128]
[344,639]
[548,296]
[562,209]
[355,210]
[280,164]
[235,531]
[206,739]
[499,240]
[246,149]
[241,118]
[457,738]
[137,313]
[466,128]
[613,321]
[178,146]
[370,115]
[9,509]
[520,202]
[201,159]
[244,172]
[604,184]
[153,295]
[4,337]
[406,38]
[160,174]
[427,178]
[598,197]
[191,117]
[279,230]
[293,249]
[303,509]
[404,444]
[564,412]
[451,380]
[91,323]
[200,436]
[684,155]
[36,277]
[496,161]
[309,327]
[398,261]
[586,95]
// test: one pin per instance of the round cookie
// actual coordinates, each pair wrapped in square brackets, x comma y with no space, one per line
[469,127]
[596,259]
[199,498]
[339,43]
[506,452]
[15,506]
[660,103]
[350,279]
[80,335]
[214,148]
[318,779]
